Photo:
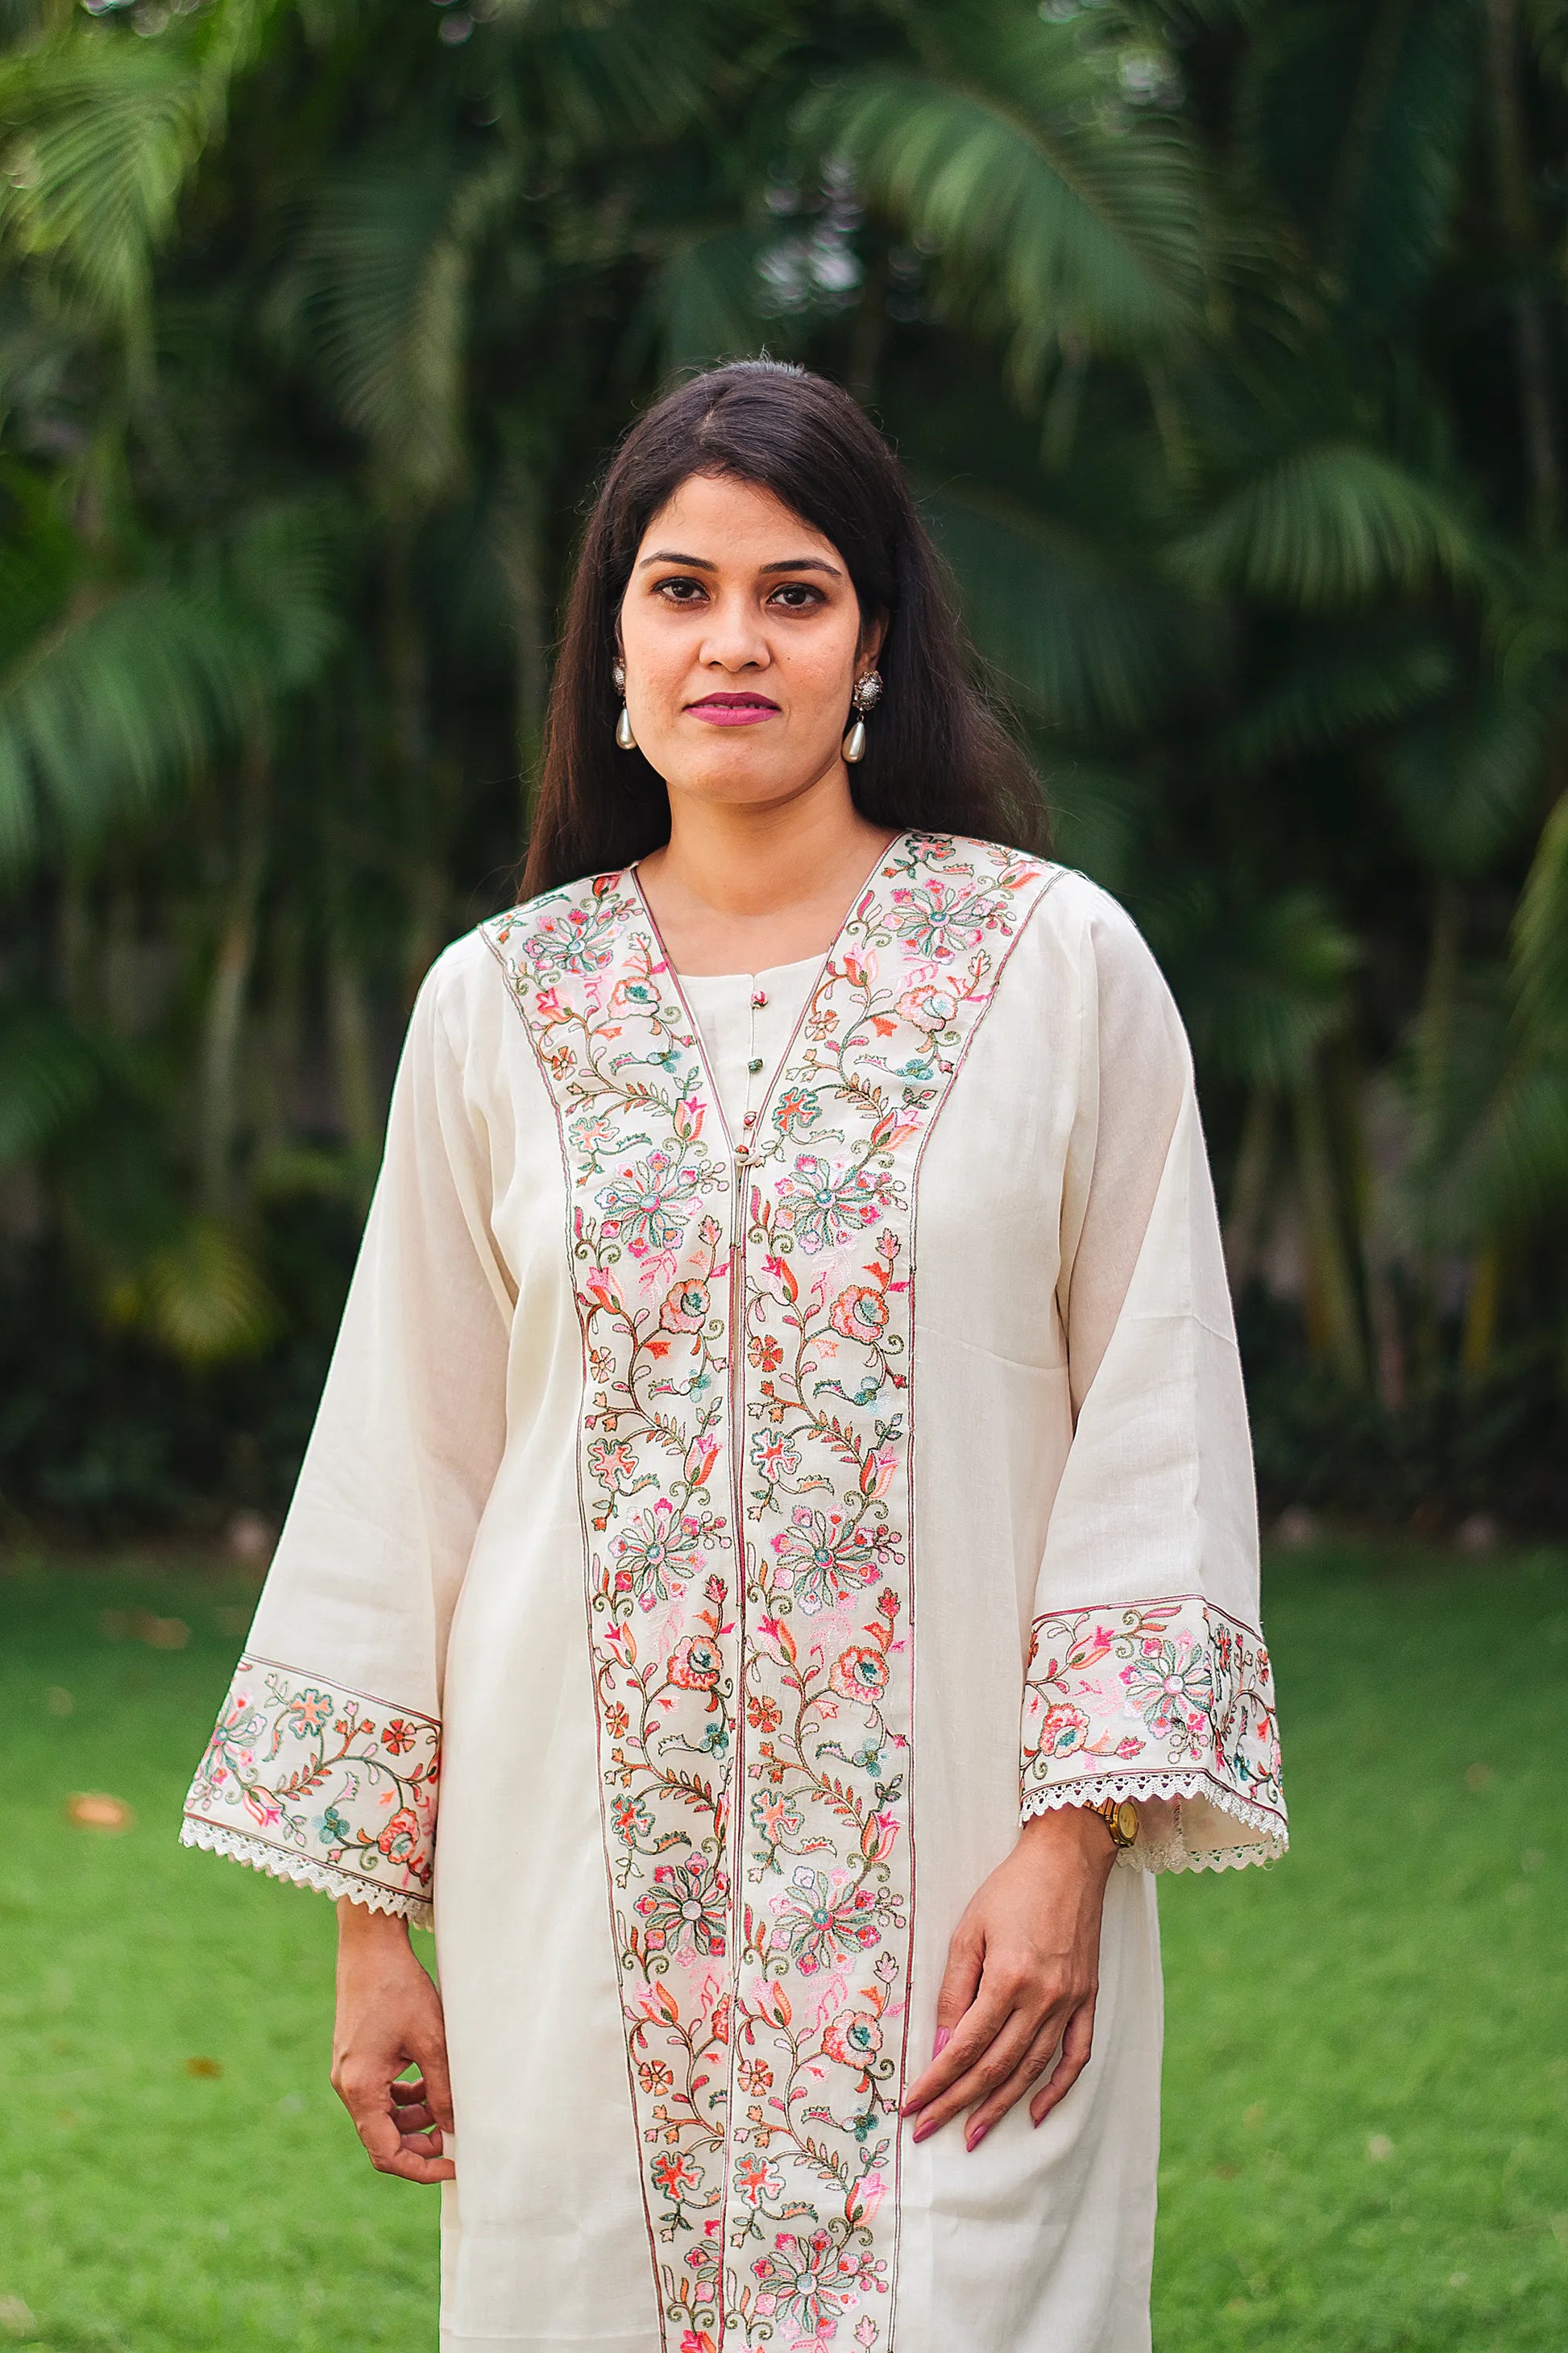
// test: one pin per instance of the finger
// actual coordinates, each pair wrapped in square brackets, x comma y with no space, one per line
[413,2157]
[992,2067]
[1077,2044]
[1038,2056]
[956,1995]
[975,2033]
[430,2055]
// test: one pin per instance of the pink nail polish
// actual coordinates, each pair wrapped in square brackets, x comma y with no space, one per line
[974,2140]
[921,2131]
[944,2037]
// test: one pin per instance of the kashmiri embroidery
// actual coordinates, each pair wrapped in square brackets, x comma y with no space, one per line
[744,1470]
[1167,1698]
[305,1779]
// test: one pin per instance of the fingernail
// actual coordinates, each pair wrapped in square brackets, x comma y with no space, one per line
[921,2130]
[974,2140]
[944,2037]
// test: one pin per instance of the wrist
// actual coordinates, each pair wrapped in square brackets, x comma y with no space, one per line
[358,1925]
[1082,1827]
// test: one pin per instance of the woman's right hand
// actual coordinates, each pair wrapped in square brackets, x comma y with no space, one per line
[389,2017]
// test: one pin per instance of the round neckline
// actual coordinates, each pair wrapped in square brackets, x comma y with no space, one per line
[768,972]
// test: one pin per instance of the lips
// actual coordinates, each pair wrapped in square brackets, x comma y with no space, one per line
[733,709]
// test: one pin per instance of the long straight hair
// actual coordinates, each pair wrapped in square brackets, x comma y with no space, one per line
[937,754]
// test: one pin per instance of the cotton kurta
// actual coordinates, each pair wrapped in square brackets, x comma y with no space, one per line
[784,1429]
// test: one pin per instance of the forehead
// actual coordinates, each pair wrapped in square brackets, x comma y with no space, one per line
[730,522]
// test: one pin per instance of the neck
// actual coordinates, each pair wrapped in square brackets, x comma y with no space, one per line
[740,889]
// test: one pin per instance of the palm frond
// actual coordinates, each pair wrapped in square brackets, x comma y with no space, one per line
[1467,780]
[1330,694]
[124,702]
[1261,981]
[1050,211]
[203,1295]
[50,1074]
[1356,113]
[1541,934]
[707,298]
[1091,645]
[384,275]
[102,134]
[1332,525]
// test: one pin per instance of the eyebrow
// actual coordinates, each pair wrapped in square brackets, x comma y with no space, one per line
[703,564]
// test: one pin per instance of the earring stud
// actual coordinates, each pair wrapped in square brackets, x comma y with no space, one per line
[624,739]
[866,695]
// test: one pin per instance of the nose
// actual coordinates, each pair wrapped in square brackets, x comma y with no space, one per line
[735,638]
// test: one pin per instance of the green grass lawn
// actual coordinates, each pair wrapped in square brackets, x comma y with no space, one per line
[1367,2070]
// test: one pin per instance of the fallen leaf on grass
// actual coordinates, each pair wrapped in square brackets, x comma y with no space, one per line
[208,2067]
[91,1810]
[1380,2148]
[160,1633]
[15,2315]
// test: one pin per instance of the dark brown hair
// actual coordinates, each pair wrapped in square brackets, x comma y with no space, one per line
[936,754]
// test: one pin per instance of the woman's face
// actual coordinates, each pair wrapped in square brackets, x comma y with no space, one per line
[741,639]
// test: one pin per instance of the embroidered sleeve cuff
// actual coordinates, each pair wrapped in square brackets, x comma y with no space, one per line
[1169,1702]
[324,1786]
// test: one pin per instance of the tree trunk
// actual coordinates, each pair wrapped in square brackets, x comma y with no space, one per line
[348,1010]
[1510,156]
[1334,1323]
[1249,1189]
[224,1025]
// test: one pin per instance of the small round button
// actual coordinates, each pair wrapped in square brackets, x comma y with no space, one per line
[750,1119]
[755,1063]
[759,997]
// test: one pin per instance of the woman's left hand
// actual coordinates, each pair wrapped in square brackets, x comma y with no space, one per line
[1022,1971]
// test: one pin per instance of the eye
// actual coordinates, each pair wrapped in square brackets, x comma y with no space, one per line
[679,591]
[798,596]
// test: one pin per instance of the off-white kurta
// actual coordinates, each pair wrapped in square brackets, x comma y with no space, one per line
[909,1270]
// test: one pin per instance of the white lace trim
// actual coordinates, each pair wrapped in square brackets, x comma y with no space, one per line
[305,1870]
[1162,1844]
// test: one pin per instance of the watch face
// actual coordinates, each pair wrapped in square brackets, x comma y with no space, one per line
[1127,1819]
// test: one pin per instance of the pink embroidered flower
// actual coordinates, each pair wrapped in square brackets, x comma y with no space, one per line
[860,1313]
[1063,1729]
[685,1909]
[401,1836]
[698,1664]
[823,1559]
[611,1460]
[822,1922]
[929,1005]
[685,1307]
[309,1711]
[860,1672]
[398,1737]
[855,2039]
[654,1555]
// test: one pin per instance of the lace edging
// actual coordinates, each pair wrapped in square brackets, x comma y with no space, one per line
[1159,1848]
[304,1871]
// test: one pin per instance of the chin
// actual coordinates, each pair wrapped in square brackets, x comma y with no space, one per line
[743,775]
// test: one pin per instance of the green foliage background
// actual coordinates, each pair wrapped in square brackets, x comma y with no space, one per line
[1224,342]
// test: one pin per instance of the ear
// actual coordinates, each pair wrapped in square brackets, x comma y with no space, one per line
[873,631]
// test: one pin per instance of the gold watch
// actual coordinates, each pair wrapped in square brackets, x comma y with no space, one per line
[1120,1816]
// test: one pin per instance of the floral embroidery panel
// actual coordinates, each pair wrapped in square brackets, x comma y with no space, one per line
[1168,1698]
[745,1476]
[299,1771]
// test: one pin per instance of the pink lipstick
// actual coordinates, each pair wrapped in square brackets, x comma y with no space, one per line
[733,709]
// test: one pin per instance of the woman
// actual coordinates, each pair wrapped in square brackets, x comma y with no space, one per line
[801,1643]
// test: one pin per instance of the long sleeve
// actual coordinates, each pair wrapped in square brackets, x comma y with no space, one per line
[325,1761]
[1147,1676]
